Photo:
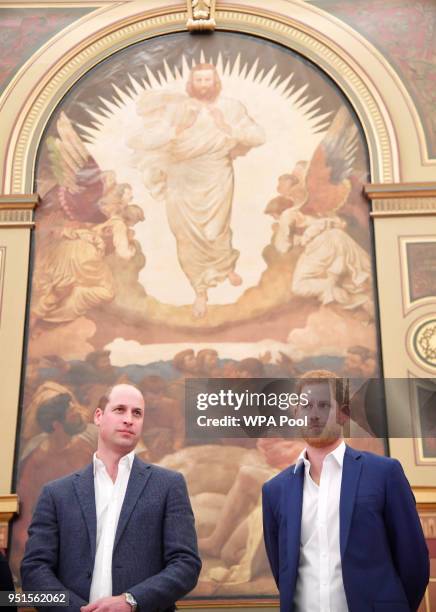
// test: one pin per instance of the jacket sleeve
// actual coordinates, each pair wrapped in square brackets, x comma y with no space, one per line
[406,538]
[181,560]
[6,582]
[270,535]
[38,568]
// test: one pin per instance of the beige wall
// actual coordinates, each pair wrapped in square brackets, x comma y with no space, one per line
[15,228]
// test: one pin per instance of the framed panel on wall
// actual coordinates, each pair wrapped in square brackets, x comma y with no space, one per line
[423,402]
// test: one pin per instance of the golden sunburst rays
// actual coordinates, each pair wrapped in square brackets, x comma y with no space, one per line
[240,80]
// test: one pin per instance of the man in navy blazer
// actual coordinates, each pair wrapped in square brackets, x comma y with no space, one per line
[119,535]
[341,528]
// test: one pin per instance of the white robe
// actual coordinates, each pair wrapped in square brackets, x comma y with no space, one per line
[333,267]
[193,172]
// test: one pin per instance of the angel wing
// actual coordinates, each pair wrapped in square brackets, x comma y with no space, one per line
[80,181]
[327,177]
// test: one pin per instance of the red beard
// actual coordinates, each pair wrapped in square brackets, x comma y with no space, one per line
[322,441]
[208,96]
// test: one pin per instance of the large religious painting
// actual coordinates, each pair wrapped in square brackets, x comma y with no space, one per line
[201,216]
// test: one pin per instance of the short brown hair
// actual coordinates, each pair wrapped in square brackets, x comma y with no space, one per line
[104,399]
[338,386]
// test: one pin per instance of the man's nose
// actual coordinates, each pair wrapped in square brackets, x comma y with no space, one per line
[128,418]
[314,413]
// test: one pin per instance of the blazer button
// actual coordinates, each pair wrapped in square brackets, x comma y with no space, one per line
[89,574]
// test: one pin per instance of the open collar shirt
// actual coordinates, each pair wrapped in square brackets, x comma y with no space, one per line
[109,498]
[320,586]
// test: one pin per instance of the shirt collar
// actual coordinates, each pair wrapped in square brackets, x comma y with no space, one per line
[302,458]
[337,454]
[126,460]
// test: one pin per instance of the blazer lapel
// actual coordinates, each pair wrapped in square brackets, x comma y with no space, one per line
[350,480]
[139,475]
[293,506]
[84,485]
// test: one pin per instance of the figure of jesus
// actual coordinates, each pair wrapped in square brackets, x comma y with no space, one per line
[190,142]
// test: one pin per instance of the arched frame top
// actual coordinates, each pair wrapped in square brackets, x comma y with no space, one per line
[324,40]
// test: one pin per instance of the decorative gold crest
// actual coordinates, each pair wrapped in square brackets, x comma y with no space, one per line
[201,15]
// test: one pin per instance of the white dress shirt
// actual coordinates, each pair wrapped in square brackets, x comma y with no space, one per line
[109,497]
[319,586]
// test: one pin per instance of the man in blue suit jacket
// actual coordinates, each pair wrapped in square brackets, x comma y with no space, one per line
[118,535]
[341,528]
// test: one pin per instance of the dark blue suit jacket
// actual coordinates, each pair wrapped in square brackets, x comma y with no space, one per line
[155,553]
[385,563]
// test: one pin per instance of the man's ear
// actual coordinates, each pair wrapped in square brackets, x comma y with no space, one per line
[97,416]
[343,414]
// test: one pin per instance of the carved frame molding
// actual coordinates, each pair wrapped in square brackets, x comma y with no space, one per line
[29,124]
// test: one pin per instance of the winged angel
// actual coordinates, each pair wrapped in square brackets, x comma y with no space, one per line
[186,150]
[72,275]
[333,267]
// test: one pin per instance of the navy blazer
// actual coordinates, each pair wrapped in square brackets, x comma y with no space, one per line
[155,554]
[385,561]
